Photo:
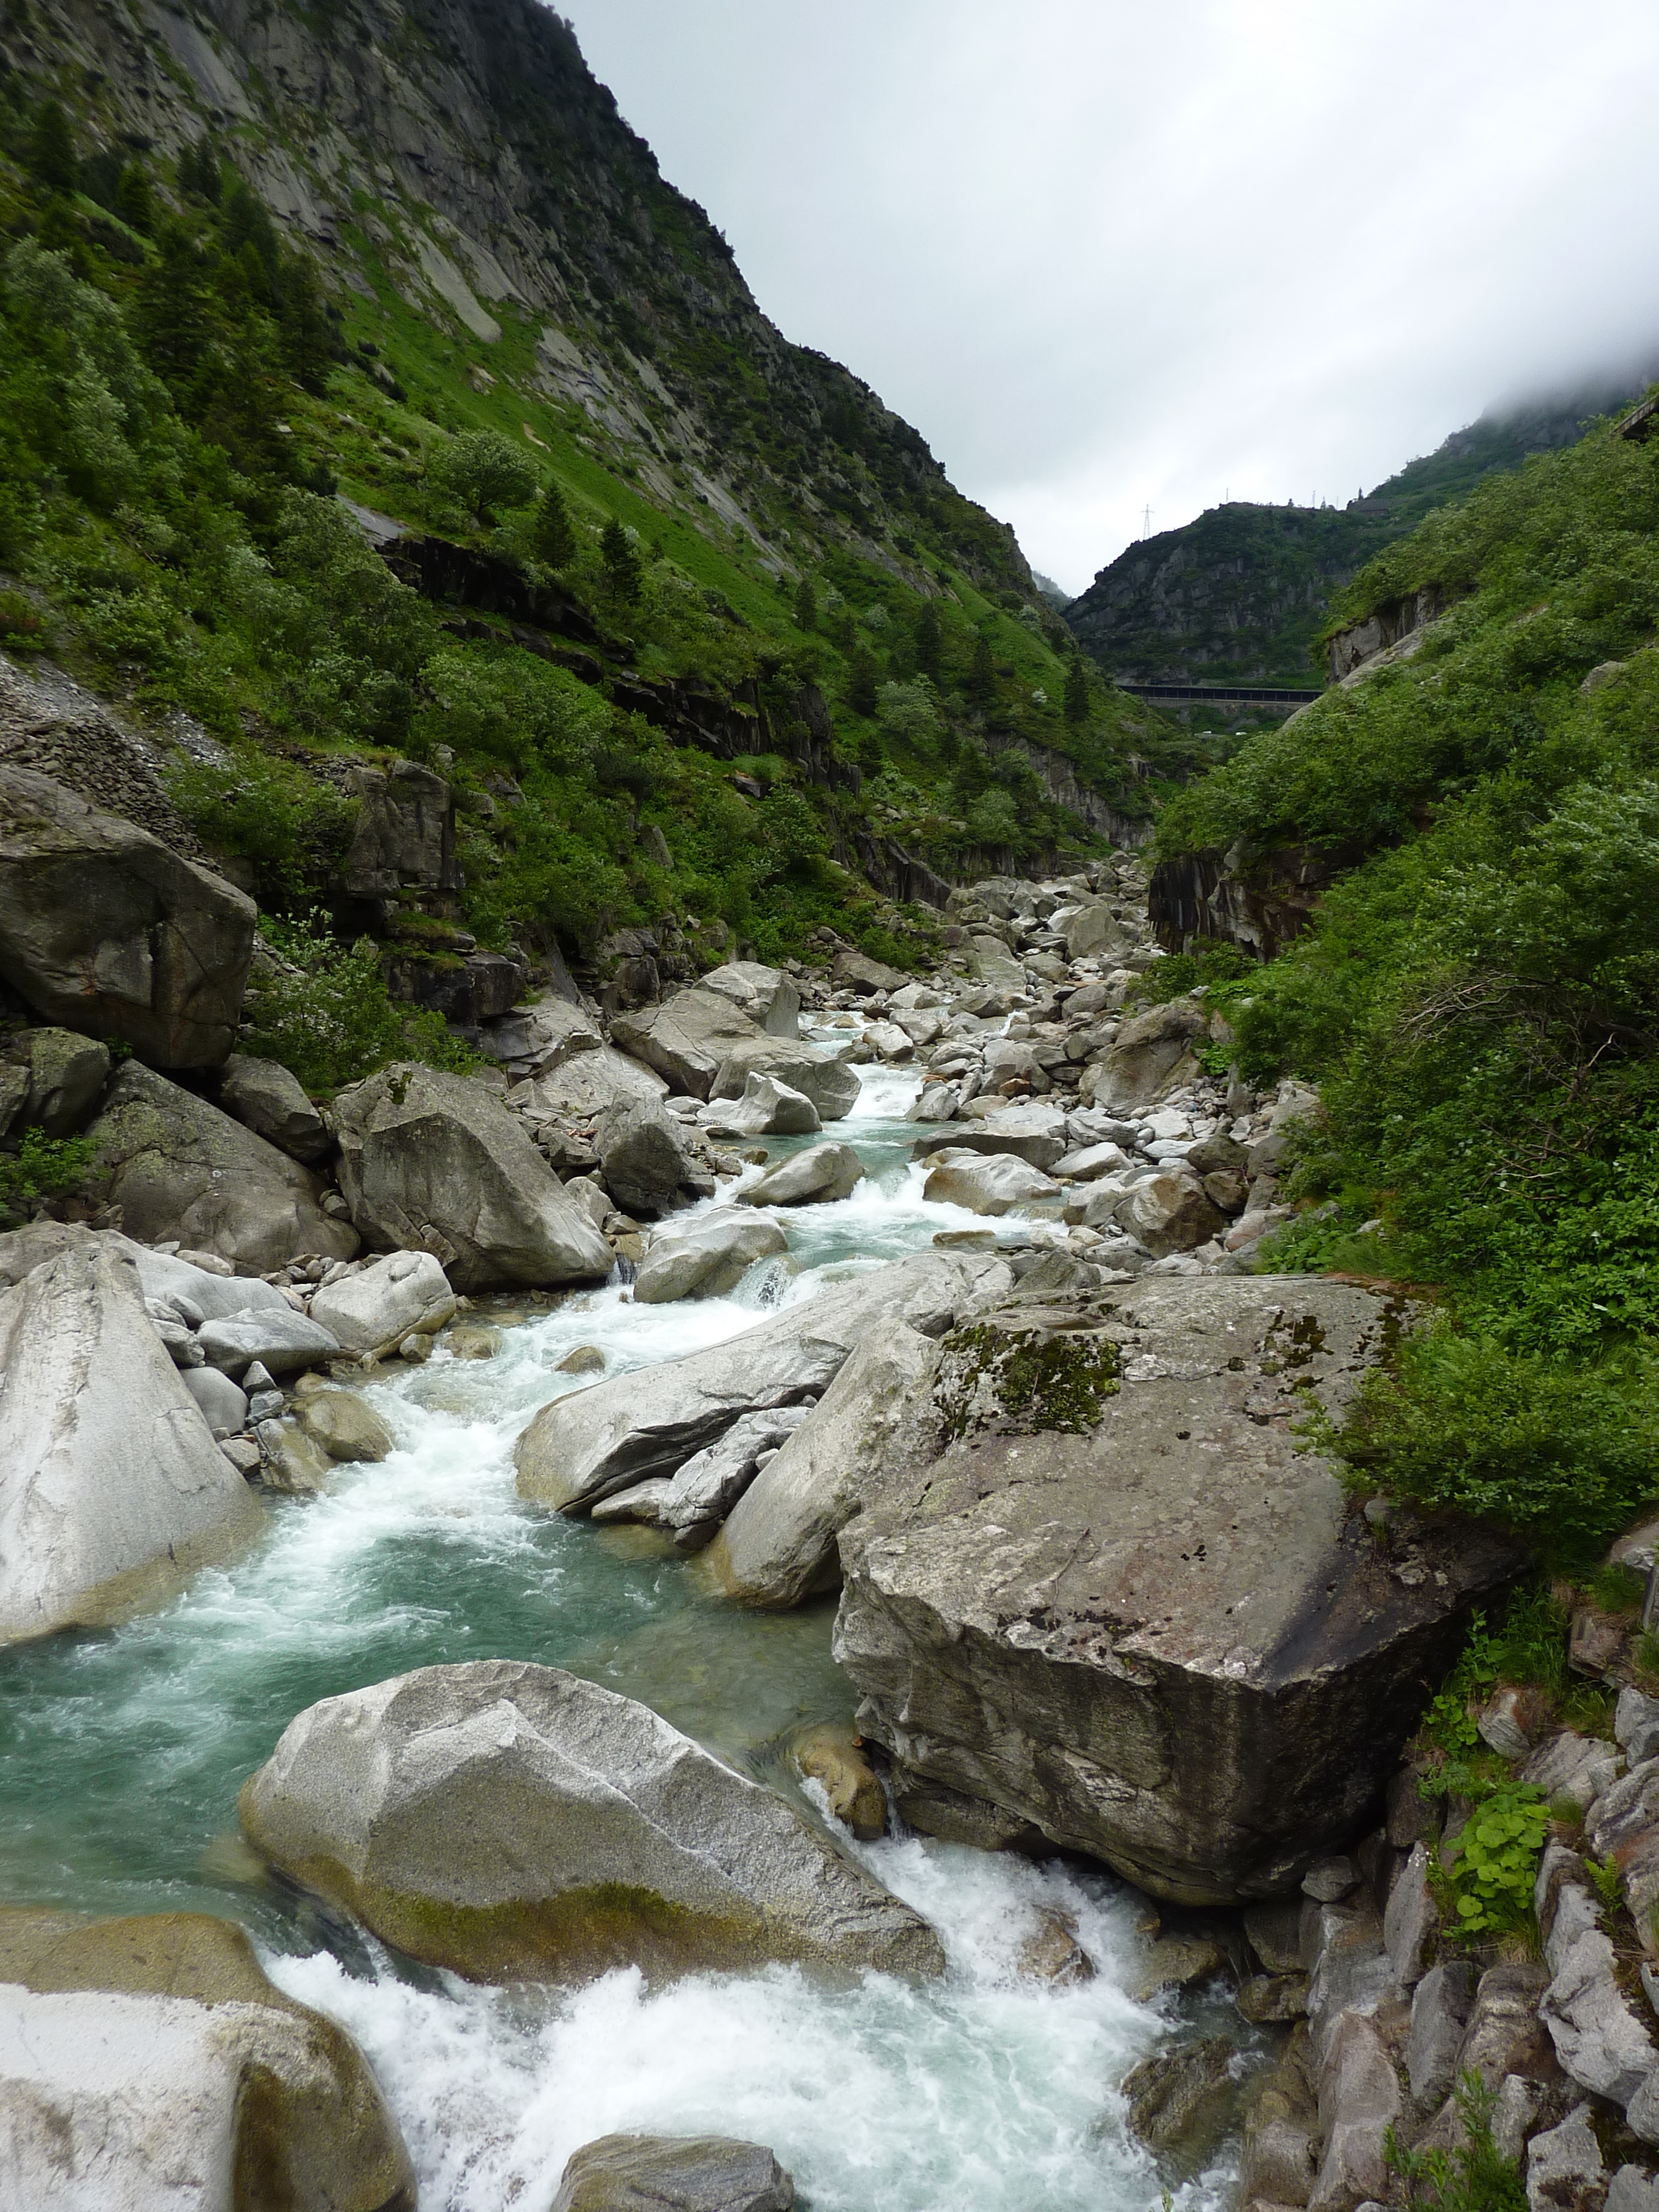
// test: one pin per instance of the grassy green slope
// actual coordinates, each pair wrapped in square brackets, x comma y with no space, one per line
[186,390]
[1477,998]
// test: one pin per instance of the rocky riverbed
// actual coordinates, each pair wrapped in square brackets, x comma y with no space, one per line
[748,1575]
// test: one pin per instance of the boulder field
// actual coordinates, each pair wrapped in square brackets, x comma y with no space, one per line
[510,1821]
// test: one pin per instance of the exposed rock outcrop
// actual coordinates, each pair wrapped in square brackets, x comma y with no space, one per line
[508,1820]
[1121,1604]
[105,930]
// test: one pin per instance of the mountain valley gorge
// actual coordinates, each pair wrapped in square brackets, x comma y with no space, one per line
[790,1414]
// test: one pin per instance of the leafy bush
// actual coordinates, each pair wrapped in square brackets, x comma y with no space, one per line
[258,807]
[43,1167]
[326,1014]
[482,470]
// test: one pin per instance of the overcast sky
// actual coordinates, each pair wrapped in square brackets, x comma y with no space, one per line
[1106,255]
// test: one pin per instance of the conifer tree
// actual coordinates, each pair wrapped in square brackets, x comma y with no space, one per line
[1076,700]
[806,604]
[863,696]
[621,562]
[51,150]
[871,757]
[174,313]
[552,537]
[133,200]
[308,338]
[980,683]
[930,641]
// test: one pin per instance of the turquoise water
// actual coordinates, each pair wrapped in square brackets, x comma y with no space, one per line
[121,1753]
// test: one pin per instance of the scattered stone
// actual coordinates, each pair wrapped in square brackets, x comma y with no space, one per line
[406,1294]
[1359,2101]
[819,1176]
[686,1038]
[280,1339]
[643,1156]
[1502,1723]
[243,1453]
[509,1821]
[707,1259]
[1573,1766]
[268,1097]
[673,2173]
[768,1108]
[112,1487]
[344,1427]
[1180,2101]
[1633,2189]
[1154,1053]
[1565,2173]
[1411,1920]
[586,1359]
[995,1185]
[834,1758]
[1441,2004]
[1053,1954]
[224,1406]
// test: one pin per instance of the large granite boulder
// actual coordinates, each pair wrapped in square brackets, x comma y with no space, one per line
[149,2061]
[105,930]
[405,1294]
[707,1258]
[1035,1135]
[404,832]
[621,1432]
[586,1083]
[765,994]
[179,1169]
[778,1545]
[433,1162]
[686,1038]
[642,1158]
[673,2173]
[267,1097]
[768,1108]
[820,1176]
[112,1487]
[993,1183]
[1118,1602]
[510,1821]
[1151,1055]
[831,1084]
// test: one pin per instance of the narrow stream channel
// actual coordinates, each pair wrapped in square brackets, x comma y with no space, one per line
[121,1754]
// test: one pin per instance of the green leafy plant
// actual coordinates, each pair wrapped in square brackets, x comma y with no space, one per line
[43,1167]
[327,1015]
[1492,1862]
[1477,2176]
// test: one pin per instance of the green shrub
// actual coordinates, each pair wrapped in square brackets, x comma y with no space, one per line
[482,470]
[258,807]
[43,1167]
[1492,1862]
[1475,2178]
[328,1017]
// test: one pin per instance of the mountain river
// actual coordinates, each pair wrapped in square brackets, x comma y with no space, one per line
[121,1753]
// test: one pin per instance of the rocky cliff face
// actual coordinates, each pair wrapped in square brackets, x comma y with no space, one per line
[1243,594]
[464,157]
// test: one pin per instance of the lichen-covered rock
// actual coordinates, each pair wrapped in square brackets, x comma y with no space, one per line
[149,2061]
[1121,1603]
[510,1821]
[673,2173]
[181,1171]
[105,930]
[112,1487]
[431,1161]
[64,1074]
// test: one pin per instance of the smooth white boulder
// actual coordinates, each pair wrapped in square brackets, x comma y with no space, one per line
[112,1487]
[987,1183]
[405,1294]
[768,1108]
[819,1176]
[707,1259]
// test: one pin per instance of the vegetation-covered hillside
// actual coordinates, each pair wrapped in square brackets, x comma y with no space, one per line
[1477,996]
[694,622]
[1244,594]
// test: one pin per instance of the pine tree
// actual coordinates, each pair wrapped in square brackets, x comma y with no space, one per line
[621,562]
[307,336]
[980,683]
[133,200]
[552,537]
[806,604]
[863,696]
[1076,702]
[173,315]
[199,172]
[871,757]
[930,641]
[52,160]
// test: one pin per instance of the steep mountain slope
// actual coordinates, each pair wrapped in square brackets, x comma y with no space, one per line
[695,626]
[1462,844]
[1243,594]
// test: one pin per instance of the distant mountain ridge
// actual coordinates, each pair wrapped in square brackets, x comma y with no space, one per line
[1241,593]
